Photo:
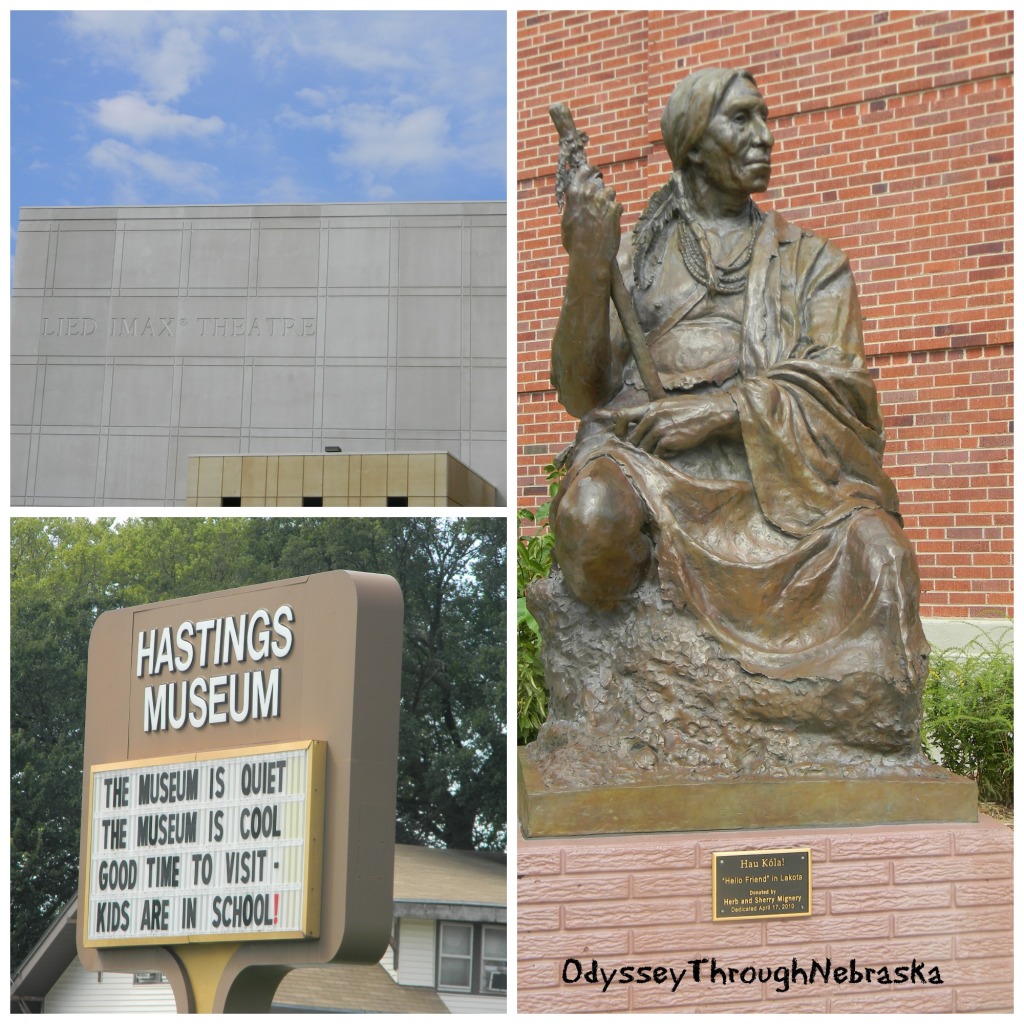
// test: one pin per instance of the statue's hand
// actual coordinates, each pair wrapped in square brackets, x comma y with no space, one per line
[674,425]
[590,220]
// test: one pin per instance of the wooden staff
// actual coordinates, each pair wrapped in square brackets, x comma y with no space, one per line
[571,158]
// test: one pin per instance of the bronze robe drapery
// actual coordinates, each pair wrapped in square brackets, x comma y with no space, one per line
[786,545]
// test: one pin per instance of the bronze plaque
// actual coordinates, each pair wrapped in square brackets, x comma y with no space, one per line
[761,883]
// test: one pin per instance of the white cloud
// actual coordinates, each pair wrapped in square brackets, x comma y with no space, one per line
[189,178]
[314,97]
[425,90]
[368,42]
[379,140]
[177,60]
[286,189]
[387,92]
[328,102]
[166,50]
[132,115]
[353,51]
[294,119]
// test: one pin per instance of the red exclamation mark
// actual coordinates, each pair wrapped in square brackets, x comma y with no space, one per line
[276,898]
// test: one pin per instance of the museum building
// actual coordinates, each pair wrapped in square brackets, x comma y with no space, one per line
[341,354]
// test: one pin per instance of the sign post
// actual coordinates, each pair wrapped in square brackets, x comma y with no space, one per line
[239,785]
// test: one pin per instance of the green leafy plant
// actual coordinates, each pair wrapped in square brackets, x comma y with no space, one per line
[968,715]
[534,551]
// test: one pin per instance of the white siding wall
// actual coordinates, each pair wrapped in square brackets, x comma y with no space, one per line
[459,1002]
[80,991]
[416,952]
[387,961]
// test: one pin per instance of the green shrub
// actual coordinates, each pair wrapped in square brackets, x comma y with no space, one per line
[533,561]
[968,715]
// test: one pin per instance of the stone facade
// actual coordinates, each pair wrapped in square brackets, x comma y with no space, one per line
[143,336]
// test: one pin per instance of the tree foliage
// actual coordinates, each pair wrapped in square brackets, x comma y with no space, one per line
[66,572]
[58,587]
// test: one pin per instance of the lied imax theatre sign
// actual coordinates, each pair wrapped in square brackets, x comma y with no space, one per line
[239,785]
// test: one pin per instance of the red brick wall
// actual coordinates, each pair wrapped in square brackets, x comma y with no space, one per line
[894,135]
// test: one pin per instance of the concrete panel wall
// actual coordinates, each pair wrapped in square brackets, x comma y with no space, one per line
[141,336]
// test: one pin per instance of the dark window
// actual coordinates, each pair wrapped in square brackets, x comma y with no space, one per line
[494,970]
[456,958]
[471,958]
[397,502]
[231,502]
[312,502]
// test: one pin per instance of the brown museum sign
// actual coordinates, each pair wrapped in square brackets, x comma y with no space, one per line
[240,771]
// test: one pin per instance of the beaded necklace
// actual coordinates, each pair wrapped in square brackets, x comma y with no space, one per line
[726,280]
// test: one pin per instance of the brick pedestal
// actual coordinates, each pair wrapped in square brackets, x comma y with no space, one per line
[883,896]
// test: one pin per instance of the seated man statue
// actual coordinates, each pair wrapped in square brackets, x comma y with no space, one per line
[736,592]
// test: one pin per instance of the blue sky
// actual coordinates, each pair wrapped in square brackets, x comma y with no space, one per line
[128,108]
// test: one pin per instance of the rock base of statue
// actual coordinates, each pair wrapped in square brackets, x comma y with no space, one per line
[652,727]
[924,902]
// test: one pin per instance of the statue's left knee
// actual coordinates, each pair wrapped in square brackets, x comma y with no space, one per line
[882,545]
[599,536]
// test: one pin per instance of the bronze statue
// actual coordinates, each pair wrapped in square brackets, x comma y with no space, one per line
[736,593]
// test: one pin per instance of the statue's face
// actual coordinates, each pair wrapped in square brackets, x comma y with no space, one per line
[734,154]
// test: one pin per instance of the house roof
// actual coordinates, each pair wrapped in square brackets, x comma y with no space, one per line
[424,875]
[354,987]
[50,956]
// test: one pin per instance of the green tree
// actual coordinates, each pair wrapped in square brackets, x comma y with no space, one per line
[452,744]
[159,559]
[452,753]
[59,585]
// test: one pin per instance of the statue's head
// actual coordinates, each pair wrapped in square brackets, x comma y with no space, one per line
[715,123]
